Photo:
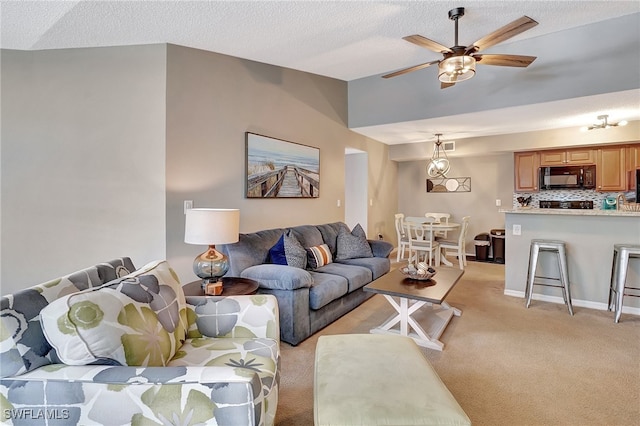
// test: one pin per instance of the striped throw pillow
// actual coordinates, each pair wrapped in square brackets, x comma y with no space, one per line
[318,256]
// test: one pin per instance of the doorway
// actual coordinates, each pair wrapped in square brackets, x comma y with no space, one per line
[356,165]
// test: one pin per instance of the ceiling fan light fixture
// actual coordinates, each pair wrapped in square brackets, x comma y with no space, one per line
[456,68]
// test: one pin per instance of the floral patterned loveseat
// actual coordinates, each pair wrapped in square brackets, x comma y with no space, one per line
[111,345]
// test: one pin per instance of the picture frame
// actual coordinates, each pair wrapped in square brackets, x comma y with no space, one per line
[276,168]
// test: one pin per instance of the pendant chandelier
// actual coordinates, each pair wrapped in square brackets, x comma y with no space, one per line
[439,165]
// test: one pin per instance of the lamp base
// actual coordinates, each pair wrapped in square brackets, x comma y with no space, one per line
[212,289]
[210,266]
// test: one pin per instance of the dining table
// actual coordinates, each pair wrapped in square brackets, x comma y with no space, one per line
[436,226]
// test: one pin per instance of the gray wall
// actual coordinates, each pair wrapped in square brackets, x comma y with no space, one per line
[213,99]
[356,202]
[83,151]
[491,179]
[529,141]
[100,147]
[582,61]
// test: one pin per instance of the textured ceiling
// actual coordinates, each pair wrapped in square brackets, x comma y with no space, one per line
[345,40]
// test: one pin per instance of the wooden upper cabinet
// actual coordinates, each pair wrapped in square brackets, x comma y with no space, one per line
[552,158]
[611,169]
[526,167]
[567,157]
[633,163]
[615,165]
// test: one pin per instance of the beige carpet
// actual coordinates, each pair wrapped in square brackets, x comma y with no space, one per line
[505,364]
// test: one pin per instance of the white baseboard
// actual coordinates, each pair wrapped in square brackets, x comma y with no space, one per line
[575,302]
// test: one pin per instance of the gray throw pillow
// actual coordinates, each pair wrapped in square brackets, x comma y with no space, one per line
[353,245]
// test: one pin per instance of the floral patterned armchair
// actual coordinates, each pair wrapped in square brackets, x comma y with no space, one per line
[111,345]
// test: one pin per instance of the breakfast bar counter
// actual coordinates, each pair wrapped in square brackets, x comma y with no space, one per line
[589,235]
[573,212]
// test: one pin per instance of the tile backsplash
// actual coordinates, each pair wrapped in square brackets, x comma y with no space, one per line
[568,195]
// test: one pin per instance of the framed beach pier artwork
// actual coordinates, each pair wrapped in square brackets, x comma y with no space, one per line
[280,169]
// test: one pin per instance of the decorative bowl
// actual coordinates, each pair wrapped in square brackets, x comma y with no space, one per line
[419,274]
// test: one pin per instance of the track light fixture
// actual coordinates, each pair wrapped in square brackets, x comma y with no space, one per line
[604,124]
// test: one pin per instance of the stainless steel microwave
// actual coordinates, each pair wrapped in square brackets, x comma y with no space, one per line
[568,177]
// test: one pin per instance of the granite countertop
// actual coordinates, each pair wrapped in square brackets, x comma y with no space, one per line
[574,212]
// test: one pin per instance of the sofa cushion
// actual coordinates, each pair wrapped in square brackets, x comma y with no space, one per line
[318,256]
[288,251]
[356,276]
[278,277]
[352,245]
[250,250]
[326,288]
[330,233]
[308,235]
[137,320]
[377,265]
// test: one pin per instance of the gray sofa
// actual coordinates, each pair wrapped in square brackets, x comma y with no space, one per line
[309,298]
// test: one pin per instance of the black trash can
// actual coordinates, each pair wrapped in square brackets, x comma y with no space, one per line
[482,243]
[497,241]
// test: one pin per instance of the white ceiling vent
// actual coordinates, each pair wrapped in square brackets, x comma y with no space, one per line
[448,146]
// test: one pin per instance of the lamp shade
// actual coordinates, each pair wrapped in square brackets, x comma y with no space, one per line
[212,226]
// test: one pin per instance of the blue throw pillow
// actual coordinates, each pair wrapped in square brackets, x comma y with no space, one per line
[288,251]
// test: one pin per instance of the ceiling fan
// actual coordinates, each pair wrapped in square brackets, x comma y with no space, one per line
[459,62]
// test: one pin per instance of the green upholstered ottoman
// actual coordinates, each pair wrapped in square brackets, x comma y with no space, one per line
[371,379]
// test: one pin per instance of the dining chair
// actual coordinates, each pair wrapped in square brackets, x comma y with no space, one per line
[421,240]
[401,233]
[458,245]
[440,218]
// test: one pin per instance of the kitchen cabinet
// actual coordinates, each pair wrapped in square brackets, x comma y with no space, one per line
[526,167]
[567,157]
[633,163]
[611,169]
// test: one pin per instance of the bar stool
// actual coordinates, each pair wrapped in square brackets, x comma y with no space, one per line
[621,255]
[559,248]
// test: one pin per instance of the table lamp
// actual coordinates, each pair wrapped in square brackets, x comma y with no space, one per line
[211,227]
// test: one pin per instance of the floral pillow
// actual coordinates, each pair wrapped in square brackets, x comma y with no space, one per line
[137,320]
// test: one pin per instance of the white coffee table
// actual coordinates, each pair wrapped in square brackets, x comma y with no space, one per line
[413,295]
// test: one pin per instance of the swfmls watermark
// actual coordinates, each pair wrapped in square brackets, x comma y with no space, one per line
[36,413]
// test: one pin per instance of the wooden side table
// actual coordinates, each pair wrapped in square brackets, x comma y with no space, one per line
[231,286]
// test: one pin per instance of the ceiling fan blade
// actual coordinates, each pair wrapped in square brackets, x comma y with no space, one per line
[510,30]
[410,69]
[426,43]
[505,60]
